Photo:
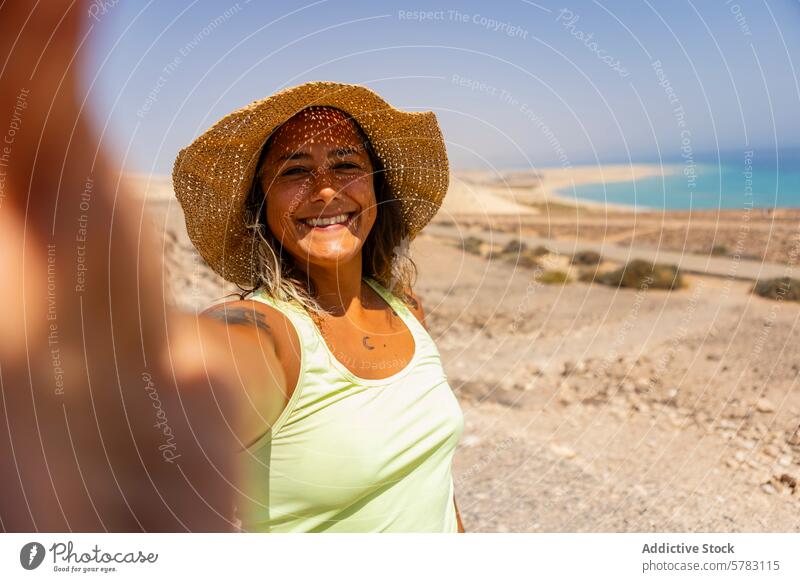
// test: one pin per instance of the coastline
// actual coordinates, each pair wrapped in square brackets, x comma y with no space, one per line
[560,182]
[534,188]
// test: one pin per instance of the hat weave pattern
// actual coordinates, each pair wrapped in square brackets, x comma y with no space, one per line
[213,176]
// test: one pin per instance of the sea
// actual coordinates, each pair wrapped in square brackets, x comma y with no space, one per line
[770,183]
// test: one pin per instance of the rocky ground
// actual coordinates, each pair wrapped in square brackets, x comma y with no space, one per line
[591,408]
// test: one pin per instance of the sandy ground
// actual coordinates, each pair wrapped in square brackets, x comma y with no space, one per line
[590,408]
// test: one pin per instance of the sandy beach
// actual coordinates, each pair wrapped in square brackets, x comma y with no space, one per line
[591,407]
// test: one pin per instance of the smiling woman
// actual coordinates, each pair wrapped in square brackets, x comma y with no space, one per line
[305,200]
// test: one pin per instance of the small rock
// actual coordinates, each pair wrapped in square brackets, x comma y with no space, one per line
[534,370]
[676,420]
[617,413]
[470,440]
[785,460]
[507,383]
[764,405]
[788,480]
[768,488]
[794,440]
[565,398]
[563,451]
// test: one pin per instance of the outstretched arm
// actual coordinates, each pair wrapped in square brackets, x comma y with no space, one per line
[118,413]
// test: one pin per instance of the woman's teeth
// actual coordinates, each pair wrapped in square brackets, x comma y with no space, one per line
[327,221]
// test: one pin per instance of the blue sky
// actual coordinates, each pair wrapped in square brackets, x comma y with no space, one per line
[514,84]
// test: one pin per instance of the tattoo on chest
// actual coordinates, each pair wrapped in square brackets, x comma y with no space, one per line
[365,343]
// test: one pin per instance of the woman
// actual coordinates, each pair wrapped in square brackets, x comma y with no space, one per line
[306,199]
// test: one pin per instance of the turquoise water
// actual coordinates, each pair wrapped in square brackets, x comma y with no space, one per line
[703,186]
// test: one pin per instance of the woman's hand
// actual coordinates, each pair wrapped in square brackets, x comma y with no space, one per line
[118,413]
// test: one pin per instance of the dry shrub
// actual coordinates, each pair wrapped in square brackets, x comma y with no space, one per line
[782,287]
[517,252]
[553,277]
[586,258]
[638,274]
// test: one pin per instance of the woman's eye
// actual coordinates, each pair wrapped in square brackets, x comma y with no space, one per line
[347,166]
[294,171]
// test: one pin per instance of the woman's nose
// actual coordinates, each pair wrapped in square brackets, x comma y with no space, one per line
[325,185]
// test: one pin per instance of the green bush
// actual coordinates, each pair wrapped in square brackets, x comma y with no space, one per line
[588,275]
[782,287]
[719,250]
[587,258]
[527,260]
[639,273]
[473,245]
[518,253]
[553,277]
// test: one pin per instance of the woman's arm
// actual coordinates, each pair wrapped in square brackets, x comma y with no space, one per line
[241,335]
[125,408]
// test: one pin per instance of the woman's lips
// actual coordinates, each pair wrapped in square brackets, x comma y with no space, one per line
[328,228]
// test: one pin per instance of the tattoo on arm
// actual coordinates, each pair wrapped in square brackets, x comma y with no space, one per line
[241,316]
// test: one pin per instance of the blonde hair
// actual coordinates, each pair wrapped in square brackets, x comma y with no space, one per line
[385,255]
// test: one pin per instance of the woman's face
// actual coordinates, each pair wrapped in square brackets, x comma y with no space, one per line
[319,188]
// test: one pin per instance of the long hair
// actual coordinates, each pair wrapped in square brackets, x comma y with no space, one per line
[385,253]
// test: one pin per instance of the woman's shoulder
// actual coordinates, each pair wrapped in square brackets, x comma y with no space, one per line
[269,317]
[244,312]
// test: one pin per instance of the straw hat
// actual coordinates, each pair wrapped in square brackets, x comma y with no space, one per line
[213,176]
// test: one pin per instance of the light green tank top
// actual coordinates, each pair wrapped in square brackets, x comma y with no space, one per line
[350,454]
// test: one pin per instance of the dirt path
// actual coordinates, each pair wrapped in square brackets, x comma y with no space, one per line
[686,261]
